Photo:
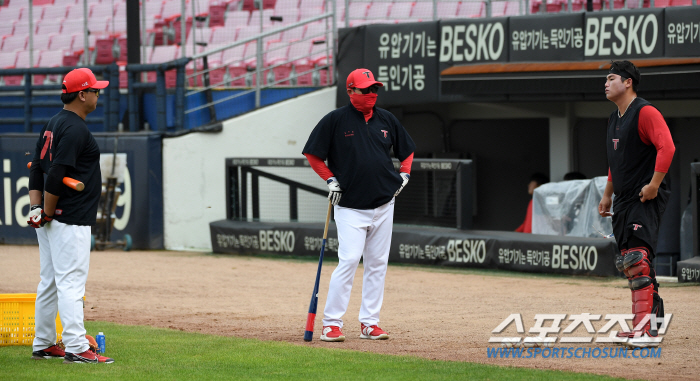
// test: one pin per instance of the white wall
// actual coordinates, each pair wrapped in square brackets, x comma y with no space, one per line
[194,164]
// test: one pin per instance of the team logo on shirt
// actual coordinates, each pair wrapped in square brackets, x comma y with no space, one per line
[636,226]
[349,133]
[385,132]
[615,141]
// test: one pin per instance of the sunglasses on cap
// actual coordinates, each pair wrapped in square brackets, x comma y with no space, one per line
[96,91]
[372,89]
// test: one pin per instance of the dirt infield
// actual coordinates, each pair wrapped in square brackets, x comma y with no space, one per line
[436,314]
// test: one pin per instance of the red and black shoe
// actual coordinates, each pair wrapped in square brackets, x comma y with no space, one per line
[102,359]
[53,351]
[87,357]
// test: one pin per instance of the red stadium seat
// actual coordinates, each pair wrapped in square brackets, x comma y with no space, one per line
[13,43]
[447,9]
[400,11]
[104,51]
[237,19]
[48,26]
[276,54]
[217,12]
[472,9]
[498,8]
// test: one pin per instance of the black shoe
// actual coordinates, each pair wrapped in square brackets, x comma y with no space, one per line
[53,351]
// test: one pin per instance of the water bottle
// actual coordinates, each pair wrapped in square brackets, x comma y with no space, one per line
[100,342]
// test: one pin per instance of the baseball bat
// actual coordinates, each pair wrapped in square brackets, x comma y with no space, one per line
[311,317]
[70,182]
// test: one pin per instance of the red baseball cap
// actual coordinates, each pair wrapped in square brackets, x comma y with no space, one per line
[362,79]
[81,79]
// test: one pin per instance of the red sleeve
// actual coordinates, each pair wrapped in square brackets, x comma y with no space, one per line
[319,166]
[406,165]
[653,130]
[526,226]
[609,175]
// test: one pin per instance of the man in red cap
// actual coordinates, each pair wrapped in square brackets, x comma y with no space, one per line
[62,218]
[357,140]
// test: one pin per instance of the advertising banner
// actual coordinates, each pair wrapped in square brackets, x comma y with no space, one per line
[682,32]
[546,38]
[468,41]
[430,246]
[624,34]
[403,58]
[139,211]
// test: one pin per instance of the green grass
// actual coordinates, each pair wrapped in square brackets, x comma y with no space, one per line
[145,353]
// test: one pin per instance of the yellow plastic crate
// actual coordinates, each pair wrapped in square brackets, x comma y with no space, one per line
[17,319]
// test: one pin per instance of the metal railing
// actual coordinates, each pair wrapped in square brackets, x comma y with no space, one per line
[109,99]
[257,65]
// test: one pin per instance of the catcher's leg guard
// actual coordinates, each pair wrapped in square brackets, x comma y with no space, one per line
[642,281]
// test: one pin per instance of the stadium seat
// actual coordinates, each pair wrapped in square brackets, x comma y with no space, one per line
[11,12]
[161,54]
[217,14]
[42,2]
[118,25]
[447,9]
[307,13]
[681,3]
[233,59]
[6,29]
[357,10]
[513,8]
[55,12]
[255,18]
[8,60]
[378,11]
[104,50]
[63,42]
[294,34]
[276,54]
[400,11]
[122,44]
[289,16]
[422,10]
[471,9]
[498,8]
[312,4]
[303,68]
[248,5]
[200,35]
[171,10]
[98,26]
[49,58]
[237,19]
[223,35]
[177,30]
[40,41]
[316,31]
[48,26]
[15,42]
[283,5]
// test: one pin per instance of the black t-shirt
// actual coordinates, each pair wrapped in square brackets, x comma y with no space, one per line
[66,140]
[359,154]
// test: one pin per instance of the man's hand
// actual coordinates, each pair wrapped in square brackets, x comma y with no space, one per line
[405,177]
[37,217]
[335,191]
[649,192]
[604,206]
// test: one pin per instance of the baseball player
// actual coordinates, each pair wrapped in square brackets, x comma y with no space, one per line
[62,218]
[357,140]
[640,150]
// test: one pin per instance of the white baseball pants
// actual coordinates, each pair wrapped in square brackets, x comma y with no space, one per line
[64,252]
[362,233]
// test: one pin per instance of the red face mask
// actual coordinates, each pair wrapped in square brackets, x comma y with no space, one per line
[364,103]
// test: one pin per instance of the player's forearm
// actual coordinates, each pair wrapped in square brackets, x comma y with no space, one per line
[50,201]
[608,189]
[35,197]
[657,179]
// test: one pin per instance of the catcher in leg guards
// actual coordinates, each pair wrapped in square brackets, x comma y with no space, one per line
[639,150]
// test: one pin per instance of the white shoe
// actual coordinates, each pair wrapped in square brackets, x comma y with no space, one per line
[643,341]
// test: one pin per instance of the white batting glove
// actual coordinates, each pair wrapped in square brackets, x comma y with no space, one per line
[335,191]
[405,177]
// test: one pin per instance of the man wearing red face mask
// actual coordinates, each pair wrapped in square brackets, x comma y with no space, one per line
[357,139]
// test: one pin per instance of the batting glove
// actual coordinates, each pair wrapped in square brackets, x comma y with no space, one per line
[37,217]
[335,191]
[405,177]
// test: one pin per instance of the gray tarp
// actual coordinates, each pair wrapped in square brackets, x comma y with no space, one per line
[570,208]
